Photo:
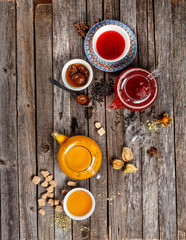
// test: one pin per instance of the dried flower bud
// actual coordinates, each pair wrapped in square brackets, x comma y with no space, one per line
[117,164]
[127,154]
[130,168]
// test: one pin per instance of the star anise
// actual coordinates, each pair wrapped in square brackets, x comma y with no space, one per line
[153,151]
[81,29]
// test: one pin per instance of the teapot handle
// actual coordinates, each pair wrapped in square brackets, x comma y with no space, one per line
[95,174]
[156,72]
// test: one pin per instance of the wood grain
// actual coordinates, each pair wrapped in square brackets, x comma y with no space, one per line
[149,204]
[26,120]
[44,96]
[126,210]
[8,124]
[62,118]
[164,103]
[73,121]
[146,58]
[178,74]
[98,187]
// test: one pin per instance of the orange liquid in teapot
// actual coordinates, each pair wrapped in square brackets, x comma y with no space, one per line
[79,203]
[79,158]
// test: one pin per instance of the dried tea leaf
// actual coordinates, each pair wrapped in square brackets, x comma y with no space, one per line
[127,154]
[117,164]
[130,168]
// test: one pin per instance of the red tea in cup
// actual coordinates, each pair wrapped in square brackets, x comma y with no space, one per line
[110,45]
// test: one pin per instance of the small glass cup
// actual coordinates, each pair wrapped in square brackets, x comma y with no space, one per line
[136,134]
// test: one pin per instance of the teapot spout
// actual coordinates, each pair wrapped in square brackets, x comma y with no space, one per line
[116,104]
[59,137]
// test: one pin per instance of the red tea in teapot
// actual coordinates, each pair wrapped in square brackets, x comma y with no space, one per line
[134,90]
[137,87]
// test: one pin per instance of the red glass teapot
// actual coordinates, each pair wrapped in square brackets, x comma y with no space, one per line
[136,89]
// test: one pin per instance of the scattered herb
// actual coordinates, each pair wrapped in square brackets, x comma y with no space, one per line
[81,29]
[112,129]
[153,151]
[99,194]
[152,111]
[111,198]
[99,20]
[152,126]
[85,231]
[129,118]
[101,89]
[62,221]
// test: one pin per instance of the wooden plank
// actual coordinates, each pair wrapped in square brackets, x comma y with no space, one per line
[8,124]
[125,211]
[44,96]
[166,164]
[98,187]
[69,118]
[178,73]
[26,120]
[146,55]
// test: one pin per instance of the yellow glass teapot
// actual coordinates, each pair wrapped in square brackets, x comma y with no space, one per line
[79,157]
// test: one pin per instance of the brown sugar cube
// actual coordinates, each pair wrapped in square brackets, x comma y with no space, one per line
[44,195]
[97,125]
[49,178]
[101,131]
[50,194]
[36,180]
[51,202]
[53,183]
[44,184]
[71,183]
[45,173]
[56,202]
[50,189]
[58,208]
[64,192]
[42,212]
[41,202]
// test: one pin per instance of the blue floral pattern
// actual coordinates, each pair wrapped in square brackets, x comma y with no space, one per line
[104,65]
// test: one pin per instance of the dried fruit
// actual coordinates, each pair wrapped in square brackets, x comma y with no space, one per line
[168,121]
[130,168]
[165,119]
[117,164]
[127,154]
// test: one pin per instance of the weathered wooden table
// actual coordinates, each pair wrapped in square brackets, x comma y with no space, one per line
[35,44]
